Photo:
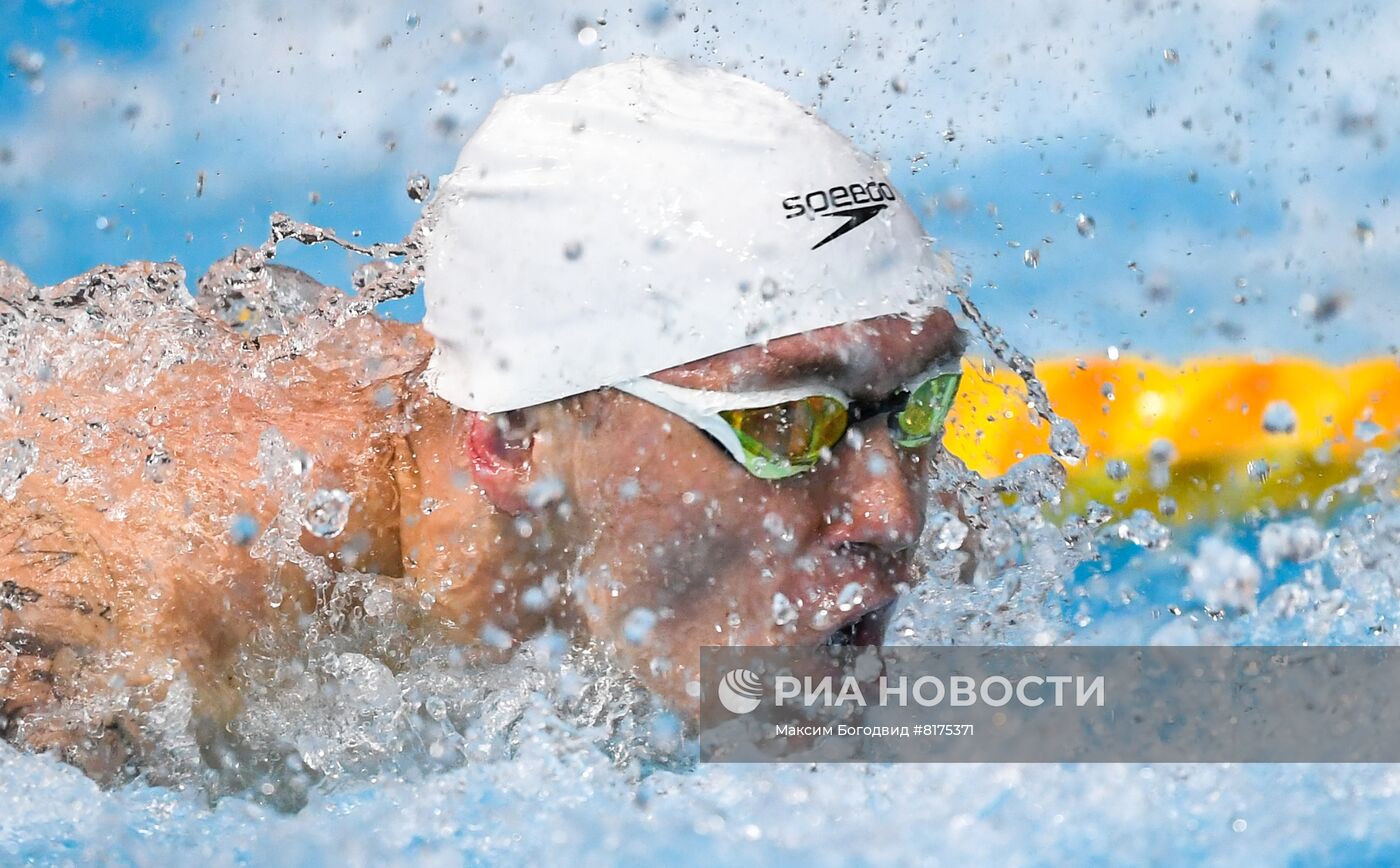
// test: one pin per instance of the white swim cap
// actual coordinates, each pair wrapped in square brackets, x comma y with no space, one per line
[644,214]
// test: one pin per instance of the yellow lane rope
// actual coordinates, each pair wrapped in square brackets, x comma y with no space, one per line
[1203,420]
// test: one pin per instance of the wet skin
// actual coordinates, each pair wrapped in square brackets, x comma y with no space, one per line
[124,578]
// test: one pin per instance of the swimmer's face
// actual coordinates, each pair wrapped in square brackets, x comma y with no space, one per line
[677,546]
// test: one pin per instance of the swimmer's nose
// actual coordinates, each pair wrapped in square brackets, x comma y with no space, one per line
[874,502]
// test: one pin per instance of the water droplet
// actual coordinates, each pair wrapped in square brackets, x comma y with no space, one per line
[638,624]
[1086,225]
[1171,56]
[327,512]
[436,707]
[1280,418]
[17,460]
[776,528]
[379,602]
[496,637]
[1222,576]
[1096,514]
[1257,470]
[534,599]
[412,20]
[1365,233]
[1065,443]
[158,462]
[242,528]
[545,492]
[899,85]
[573,250]
[418,187]
[1366,430]
[784,612]
[946,531]
[851,596]
[1142,528]
[587,36]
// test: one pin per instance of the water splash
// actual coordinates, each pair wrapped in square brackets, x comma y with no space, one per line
[1065,443]
[438,748]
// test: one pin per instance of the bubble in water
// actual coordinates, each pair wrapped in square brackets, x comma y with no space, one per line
[1086,225]
[573,250]
[1142,528]
[587,36]
[638,624]
[17,459]
[899,85]
[1171,56]
[1280,418]
[327,511]
[1223,577]
[1117,470]
[1031,257]
[784,612]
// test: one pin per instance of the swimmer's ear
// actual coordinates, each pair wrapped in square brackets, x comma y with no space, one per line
[498,448]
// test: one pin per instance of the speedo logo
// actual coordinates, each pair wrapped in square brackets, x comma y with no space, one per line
[856,202]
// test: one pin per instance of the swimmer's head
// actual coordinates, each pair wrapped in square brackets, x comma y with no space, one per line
[694,315]
[644,214]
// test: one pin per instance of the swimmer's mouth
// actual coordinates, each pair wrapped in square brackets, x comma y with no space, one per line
[867,628]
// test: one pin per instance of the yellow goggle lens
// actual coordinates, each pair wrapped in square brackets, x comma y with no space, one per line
[785,439]
[924,413]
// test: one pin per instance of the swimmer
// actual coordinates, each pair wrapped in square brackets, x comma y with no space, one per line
[682,374]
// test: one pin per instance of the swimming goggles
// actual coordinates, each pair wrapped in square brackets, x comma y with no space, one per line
[783,432]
